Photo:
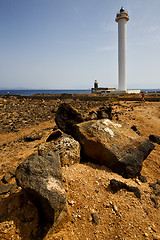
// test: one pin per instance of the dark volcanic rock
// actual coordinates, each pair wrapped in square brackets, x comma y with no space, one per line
[113,145]
[104,112]
[131,164]
[4,188]
[8,176]
[158,181]
[41,178]
[156,188]
[33,136]
[100,113]
[155,139]
[54,135]
[155,201]
[92,115]
[117,185]
[134,128]
[142,178]
[67,148]
[95,218]
[66,117]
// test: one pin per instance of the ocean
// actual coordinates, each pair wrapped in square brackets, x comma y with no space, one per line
[42,91]
[56,91]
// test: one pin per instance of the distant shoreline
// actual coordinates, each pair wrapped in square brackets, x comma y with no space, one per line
[30,92]
[151,97]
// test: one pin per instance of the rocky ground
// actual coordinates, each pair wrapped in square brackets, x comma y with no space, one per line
[95,211]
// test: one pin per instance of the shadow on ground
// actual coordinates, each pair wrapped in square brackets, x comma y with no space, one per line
[19,217]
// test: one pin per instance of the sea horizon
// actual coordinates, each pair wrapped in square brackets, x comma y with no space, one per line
[28,92]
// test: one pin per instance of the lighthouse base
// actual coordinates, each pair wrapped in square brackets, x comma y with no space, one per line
[113,91]
[126,91]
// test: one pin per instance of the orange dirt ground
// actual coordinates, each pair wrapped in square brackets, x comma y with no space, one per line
[120,216]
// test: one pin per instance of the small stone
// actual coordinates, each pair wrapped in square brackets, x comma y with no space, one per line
[41,150]
[7,177]
[155,139]
[4,188]
[143,179]
[115,208]
[107,205]
[71,202]
[73,220]
[156,237]
[85,206]
[156,188]
[135,129]
[90,219]
[154,199]
[95,218]
[137,181]
[158,181]
[92,211]
[33,136]
[117,185]
[145,234]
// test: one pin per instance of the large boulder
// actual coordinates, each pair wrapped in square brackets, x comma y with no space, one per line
[100,113]
[114,145]
[41,178]
[66,146]
[68,149]
[66,117]
[104,112]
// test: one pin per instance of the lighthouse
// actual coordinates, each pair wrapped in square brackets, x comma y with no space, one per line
[122,19]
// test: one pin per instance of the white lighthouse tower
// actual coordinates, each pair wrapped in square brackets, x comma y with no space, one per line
[122,18]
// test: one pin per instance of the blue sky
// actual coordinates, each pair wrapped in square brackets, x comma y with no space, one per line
[67,44]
